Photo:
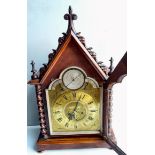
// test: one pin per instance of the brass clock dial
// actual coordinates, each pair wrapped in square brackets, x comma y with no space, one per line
[76,111]
[77,108]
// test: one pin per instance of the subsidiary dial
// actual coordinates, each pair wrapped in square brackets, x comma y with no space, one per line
[73,78]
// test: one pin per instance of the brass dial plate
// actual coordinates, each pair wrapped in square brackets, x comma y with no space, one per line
[72,111]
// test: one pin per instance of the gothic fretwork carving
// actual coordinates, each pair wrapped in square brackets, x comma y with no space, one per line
[61,39]
[81,38]
[70,16]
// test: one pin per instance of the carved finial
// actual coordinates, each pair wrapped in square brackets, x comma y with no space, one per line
[111,65]
[33,66]
[81,38]
[45,65]
[50,57]
[34,71]
[70,10]
[89,48]
[54,51]
[70,17]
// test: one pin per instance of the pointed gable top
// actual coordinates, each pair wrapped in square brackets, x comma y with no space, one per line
[65,41]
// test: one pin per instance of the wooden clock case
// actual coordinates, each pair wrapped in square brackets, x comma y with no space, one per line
[72,51]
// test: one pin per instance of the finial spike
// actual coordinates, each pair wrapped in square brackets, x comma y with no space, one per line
[34,71]
[70,10]
[33,66]
[111,65]
[70,17]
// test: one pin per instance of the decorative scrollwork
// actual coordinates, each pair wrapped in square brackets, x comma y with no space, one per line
[70,17]
[92,53]
[62,39]
[50,57]
[43,70]
[81,38]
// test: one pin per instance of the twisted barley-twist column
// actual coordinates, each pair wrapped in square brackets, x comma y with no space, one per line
[41,111]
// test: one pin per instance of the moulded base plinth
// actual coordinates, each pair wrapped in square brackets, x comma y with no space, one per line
[72,142]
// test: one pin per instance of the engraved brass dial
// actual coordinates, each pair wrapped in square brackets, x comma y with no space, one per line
[76,111]
[74,103]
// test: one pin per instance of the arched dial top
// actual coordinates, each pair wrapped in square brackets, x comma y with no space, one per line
[74,103]
[73,78]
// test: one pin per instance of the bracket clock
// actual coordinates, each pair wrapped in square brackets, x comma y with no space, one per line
[74,95]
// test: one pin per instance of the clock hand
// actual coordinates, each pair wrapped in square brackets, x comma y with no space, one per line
[68,84]
[71,116]
[77,103]
[73,79]
[76,107]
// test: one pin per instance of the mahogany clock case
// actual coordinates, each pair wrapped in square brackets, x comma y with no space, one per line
[72,51]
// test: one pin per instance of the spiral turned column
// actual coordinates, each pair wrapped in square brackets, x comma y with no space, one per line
[41,111]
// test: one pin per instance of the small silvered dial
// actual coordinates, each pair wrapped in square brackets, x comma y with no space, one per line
[73,78]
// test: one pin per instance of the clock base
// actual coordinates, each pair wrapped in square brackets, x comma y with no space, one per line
[72,142]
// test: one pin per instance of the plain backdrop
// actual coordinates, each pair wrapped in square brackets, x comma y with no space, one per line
[104,27]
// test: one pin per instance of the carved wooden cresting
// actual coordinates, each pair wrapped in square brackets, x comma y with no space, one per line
[72,51]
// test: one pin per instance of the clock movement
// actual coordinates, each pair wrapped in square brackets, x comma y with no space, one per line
[74,95]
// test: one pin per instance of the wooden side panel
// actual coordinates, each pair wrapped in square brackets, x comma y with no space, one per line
[119,72]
